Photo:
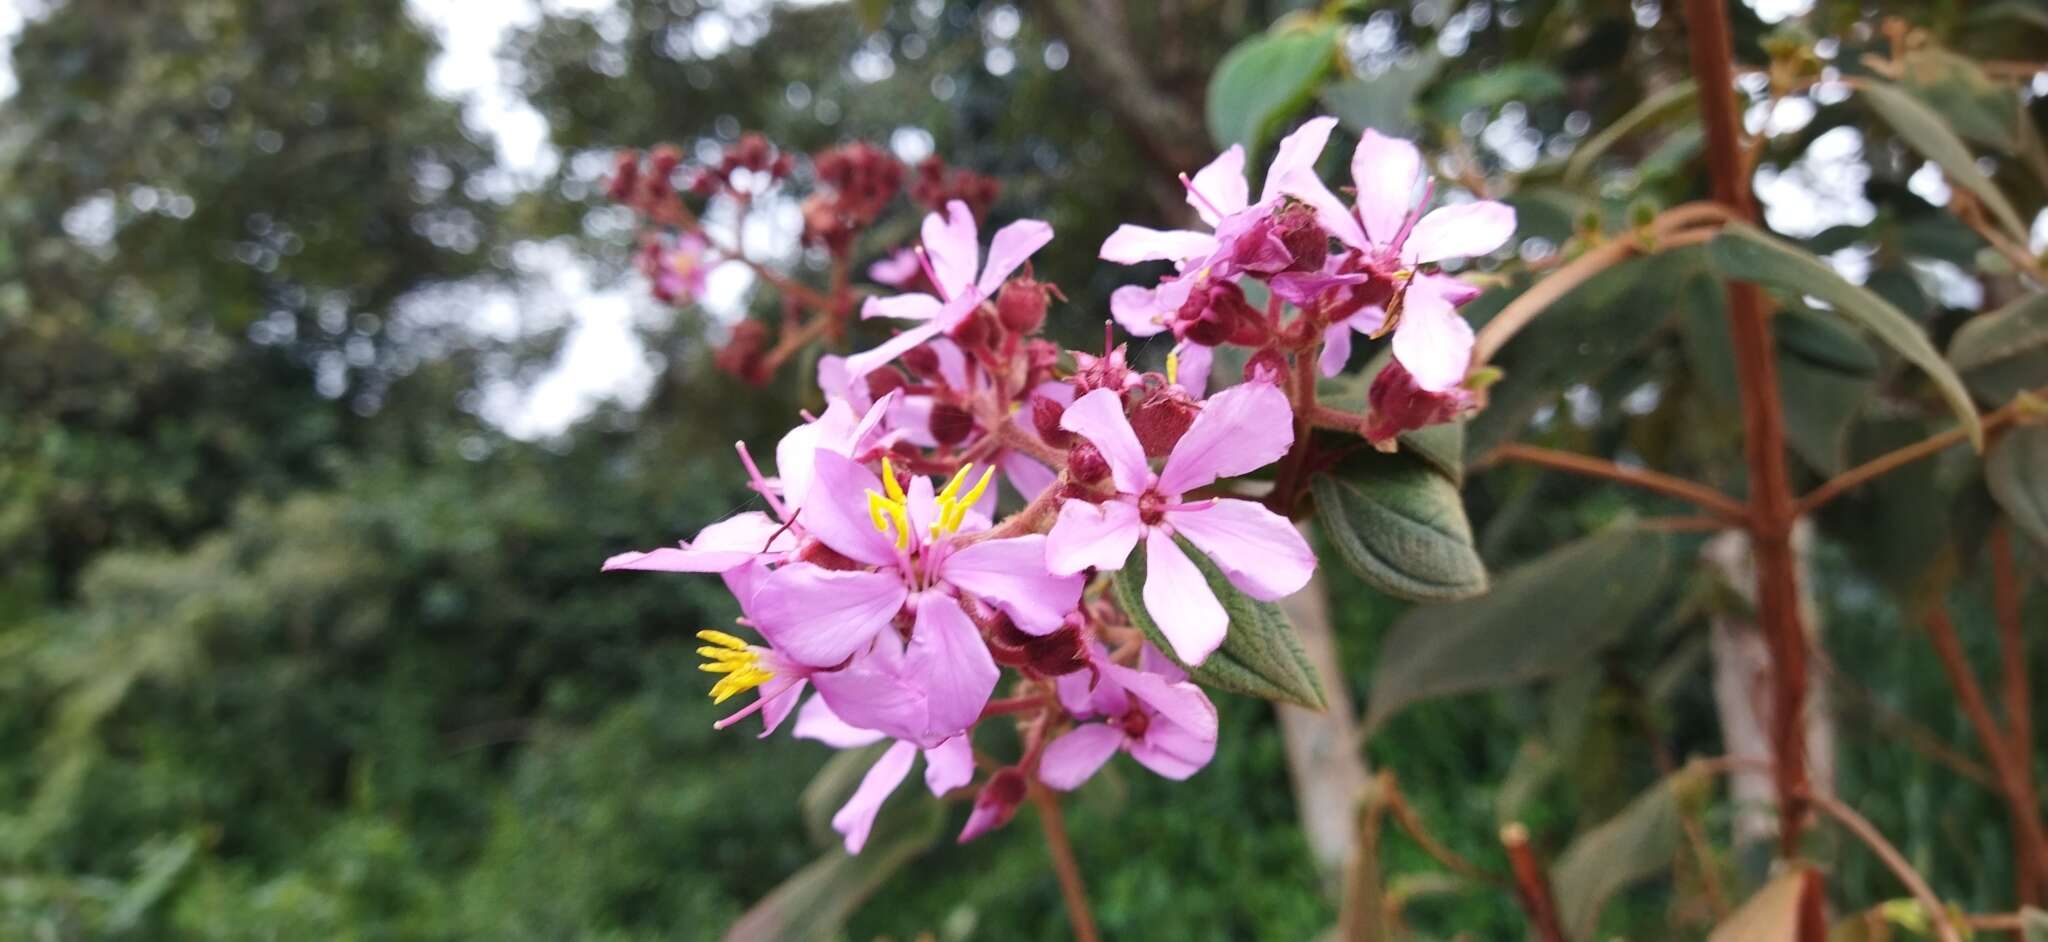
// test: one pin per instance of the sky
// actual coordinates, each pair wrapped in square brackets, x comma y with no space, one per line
[602,356]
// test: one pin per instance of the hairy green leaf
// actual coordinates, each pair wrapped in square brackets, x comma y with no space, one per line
[1267,78]
[1541,618]
[1746,253]
[1260,656]
[2017,473]
[1634,845]
[1929,133]
[2005,352]
[1401,526]
[1681,100]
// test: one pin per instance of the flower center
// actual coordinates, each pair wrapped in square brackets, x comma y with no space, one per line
[730,656]
[1152,508]
[890,513]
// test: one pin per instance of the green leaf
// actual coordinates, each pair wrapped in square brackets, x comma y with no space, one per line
[871,13]
[1267,78]
[1526,82]
[1678,101]
[1401,526]
[1746,253]
[1440,446]
[814,903]
[1634,845]
[2017,473]
[2005,352]
[1260,656]
[1386,102]
[1927,132]
[1541,618]
[1825,376]
[1772,913]
[1978,107]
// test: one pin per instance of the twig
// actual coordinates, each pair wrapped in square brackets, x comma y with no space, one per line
[1856,824]
[1361,914]
[1532,886]
[2028,835]
[1926,447]
[1071,888]
[2018,699]
[1706,497]
[1389,793]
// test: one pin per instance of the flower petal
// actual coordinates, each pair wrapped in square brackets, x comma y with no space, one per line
[1460,231]
[1025,474]
[949,765]
[1181,738]
[948,659]
[837,511]
[1336,349]
[1011,246]
[1129,245]
[1011,575]
[873,693]
[722,546]
[1432,341]
[777,702]
[867,361]
[855,818]
[1097,535]
[953,245]
[1297,154]
[1261,553]
[1385,170]
[1195,363]
[1220,187]
[1180,600]
[1099,418]
[817,721]
[1074,758]
[1239,430]
[1137,310]
[911,307]
[819,617]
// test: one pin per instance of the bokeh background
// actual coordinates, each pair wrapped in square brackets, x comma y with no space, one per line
[326,383]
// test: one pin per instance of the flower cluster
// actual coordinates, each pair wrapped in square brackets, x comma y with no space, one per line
[885,586]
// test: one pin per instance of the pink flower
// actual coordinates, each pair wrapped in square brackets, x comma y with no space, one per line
[913,561]
[679,271]
[947,766]
[1239,430]
[1396,404]
[1393,236]
[952,252]
[751,667]
[1164,722]
[900,269]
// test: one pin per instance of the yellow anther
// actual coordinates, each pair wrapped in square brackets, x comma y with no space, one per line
[876,507]
[1173,366]
[980,487]
[731,656]
[889,481]
[953,486]
[721,639]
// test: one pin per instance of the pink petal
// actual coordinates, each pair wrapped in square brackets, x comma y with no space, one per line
[949,765]
[1303,288]
[913,307]
[720,547]
[1220,187]
[1330,211]
[1182,736]
[1011,246]
[777,702]
[1336,349]
[896,269]
[1074,758]
[837,513]
[1011,575]
[1129,245]
[817,721]
[1261,553]
[1460,231]
[1025,474]
[1241,429]
[819,617]
[949,660]
[1297,154]
[1455,291]
[1385,170]
[1137,310]
[1152,661]
[1432,341]
[855,818]
[867,361]
[1092,535]
[1099,418]
[954,247]
[1171,702]
[1180,600]
[1192,372]
[873,693]
[920,502]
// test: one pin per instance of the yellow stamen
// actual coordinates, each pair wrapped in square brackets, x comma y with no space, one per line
[731,656]
[1173,366]
[721,639]
[953,486]
[889,481]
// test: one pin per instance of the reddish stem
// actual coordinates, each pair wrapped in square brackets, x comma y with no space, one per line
[1072,889]
[2019,719]
[1706,497]
[1532,885]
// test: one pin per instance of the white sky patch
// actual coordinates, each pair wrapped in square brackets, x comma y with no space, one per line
[1823,188]
[1777,11]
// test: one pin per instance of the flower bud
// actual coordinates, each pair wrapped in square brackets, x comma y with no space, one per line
[824,557]
[1396,404]
[1061,652]
[883,381]
[1020,306]
[976,332]
[1085,465]
[1040,357]
[923,363]
[950,424]
[1214,313]
[1045,419]
[1306,240]
[1162,419]
[996,804]
[743,355]
[1008,644]
[625,175]
[1106,372]
[1266,366]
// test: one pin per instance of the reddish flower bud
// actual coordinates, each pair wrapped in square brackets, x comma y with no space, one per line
[1040,357]
[996,804]
[923,363]
[1397,405]
[1162,419]
[885,380]
[1108,372]
[1214,313]
[625,176]
[1085,465]
[1266,366]
[977,332]
[1020,306]
[1045,418]
[950,424]
[742,356]
[1058,653]
[825,557]
[1008,644]
[1306,240]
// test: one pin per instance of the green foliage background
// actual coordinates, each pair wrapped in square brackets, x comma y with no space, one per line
[294,644]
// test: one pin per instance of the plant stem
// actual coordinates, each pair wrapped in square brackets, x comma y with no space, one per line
[1856,824]
[1669,485]
[1770,498]
[1932,445]
[2030,841]
[1071,888]
[1531,883]
[2019,720]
